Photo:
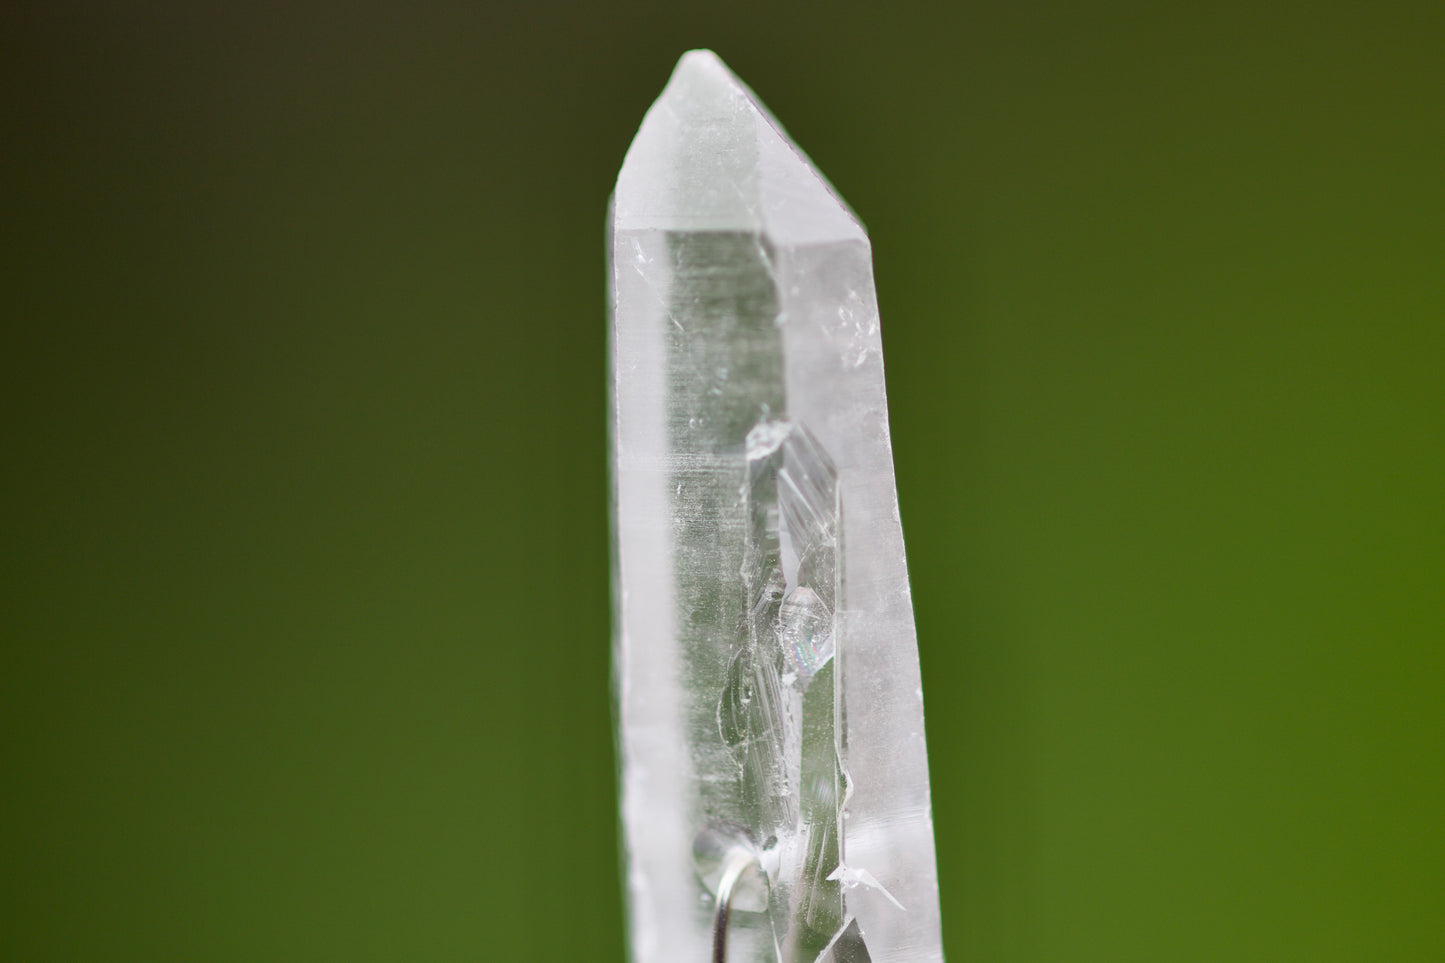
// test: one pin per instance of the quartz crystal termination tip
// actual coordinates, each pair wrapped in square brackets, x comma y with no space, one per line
[765,659]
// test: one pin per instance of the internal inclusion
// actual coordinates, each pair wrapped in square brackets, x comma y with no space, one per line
[780,713]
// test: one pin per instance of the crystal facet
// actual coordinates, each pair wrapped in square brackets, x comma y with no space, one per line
[767,677]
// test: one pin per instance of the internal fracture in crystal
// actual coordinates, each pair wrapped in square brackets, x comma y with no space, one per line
[766,664]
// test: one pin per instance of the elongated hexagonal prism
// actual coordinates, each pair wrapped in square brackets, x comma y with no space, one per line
[766,664]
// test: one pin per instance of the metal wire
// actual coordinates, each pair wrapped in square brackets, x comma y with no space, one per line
[737,863]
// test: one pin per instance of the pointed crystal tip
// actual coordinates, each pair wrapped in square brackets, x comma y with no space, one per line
[709,157]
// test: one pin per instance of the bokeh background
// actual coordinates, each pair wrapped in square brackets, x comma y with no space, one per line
[303,582]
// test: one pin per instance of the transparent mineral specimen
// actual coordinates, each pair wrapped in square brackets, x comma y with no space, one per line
[766,666]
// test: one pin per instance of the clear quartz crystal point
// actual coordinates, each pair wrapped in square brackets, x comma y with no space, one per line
[766,666]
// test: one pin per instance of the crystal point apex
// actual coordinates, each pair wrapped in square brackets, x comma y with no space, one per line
[709,157]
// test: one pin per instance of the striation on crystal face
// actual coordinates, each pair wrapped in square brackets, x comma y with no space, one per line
[766,665]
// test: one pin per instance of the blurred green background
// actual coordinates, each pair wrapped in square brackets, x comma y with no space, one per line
[303,582]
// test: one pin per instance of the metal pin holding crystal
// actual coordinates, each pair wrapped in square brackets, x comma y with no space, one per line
[738,862]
